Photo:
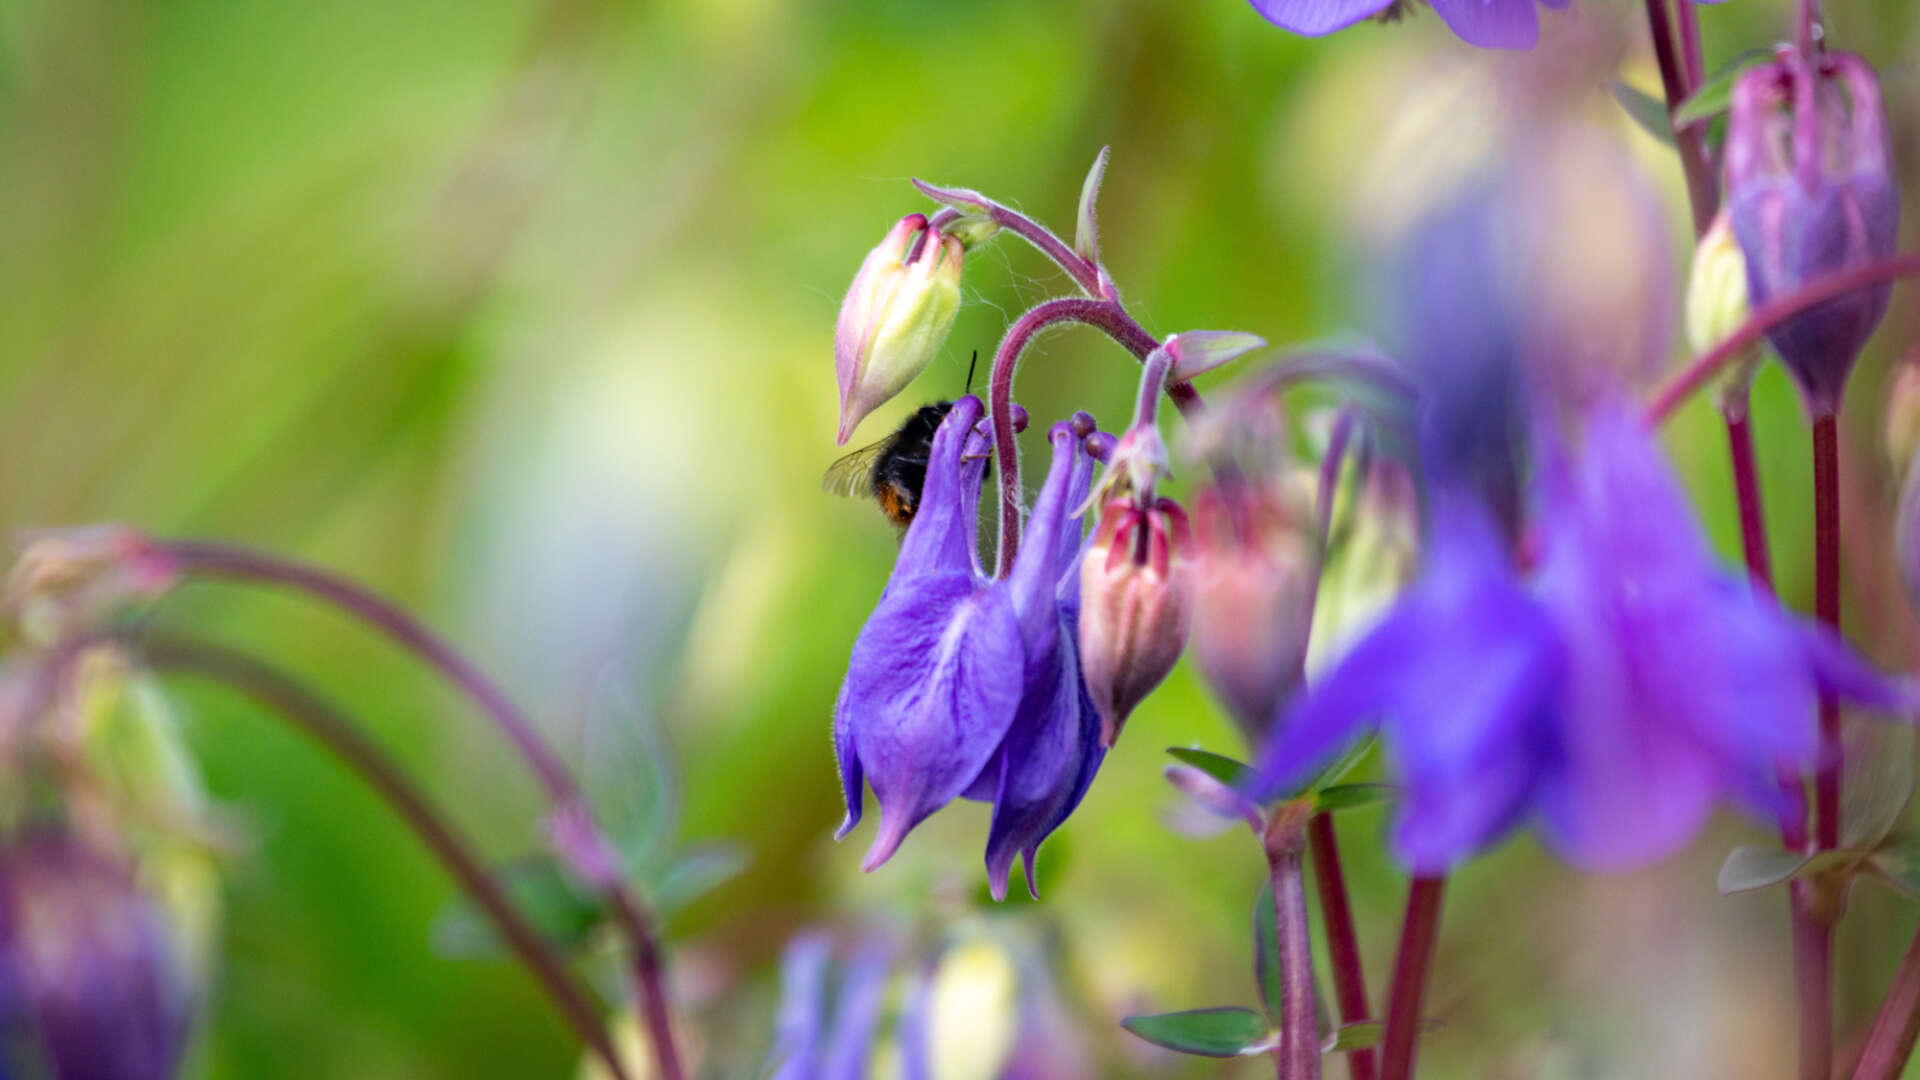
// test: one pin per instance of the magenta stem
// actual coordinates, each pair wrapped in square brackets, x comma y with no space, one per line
[1703,193]
[1343,945]
[1826,601]
[334,730]
[1299,1054]
[1102,314]
[243,564]
[1813,984]
[1766,317]
[1693,63]
[1890,1042]
[1418,935]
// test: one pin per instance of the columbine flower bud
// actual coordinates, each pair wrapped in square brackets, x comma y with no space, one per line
[1255,568]
[1716,306]
[1810,193]
[68,581]
[895,316]
[86,983]
[1136,589]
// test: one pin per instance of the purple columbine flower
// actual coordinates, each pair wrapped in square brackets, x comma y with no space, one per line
[88,986]
[826,1025]
[1810,192]
[1490,24]
[963,685]
[1620,695]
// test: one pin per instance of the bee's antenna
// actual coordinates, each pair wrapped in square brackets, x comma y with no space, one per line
[970,366]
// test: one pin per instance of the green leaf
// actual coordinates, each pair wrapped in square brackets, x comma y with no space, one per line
[1751,866]
[694,874]
[1879,781]
[1266,952]
[1364,1035]
[1086,236]
[1348,796]
[1647,111]
[1232,773]
[1716,92]
[561,910]
[1897,862]
[627,771]
[1358,1036]
[1223,1032]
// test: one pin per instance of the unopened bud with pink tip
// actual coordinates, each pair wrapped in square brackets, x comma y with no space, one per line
[1136,580]
[1136,594]
[1810,192]
[1256,567]
[895,317]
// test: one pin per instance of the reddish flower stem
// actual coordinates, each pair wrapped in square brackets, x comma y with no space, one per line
[1417,937]
[1703,193]
[1766,317]
[333,729]
[1298,1057]
[1692,63]
[1343,946]
[1890,1042]
[1813,984]
[1826,601]
[243,564]
[1102,314]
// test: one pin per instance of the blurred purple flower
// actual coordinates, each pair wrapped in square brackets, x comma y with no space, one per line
[1491,24]
[1629,690]
[962,685]
[1810,192]
[1684,686]
[88,988]
[826,1031]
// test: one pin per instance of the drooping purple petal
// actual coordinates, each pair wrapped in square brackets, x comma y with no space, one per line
[1047,746]
[1492,24]
[941,537]
[932,687]
[1314,18]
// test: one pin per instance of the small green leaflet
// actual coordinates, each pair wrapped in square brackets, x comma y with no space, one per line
[1221,1033]
[560,909]
[1647,111]
[1232,773]
[1715,95]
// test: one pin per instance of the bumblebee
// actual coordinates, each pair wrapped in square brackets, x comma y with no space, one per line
[892,471]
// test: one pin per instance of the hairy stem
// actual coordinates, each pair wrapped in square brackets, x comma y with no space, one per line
[1417,937]
[1890,1042]
[333,729]
[1343,946]
[1103,314]
[244,564]
[1299,1054]
[1766,317]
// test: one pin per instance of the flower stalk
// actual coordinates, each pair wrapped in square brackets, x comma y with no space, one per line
[334,730]
[1298,1057]
[1417,937]
[1343,945]
[1890,1041]
[1764,318]
[569,803]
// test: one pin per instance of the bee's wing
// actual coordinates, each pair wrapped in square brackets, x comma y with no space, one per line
[853,474]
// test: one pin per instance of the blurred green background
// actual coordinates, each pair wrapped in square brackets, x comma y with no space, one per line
[522,313]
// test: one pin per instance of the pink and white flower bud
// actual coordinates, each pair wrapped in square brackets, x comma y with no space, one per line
[895,317]
[1256,568]
[1136,594]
